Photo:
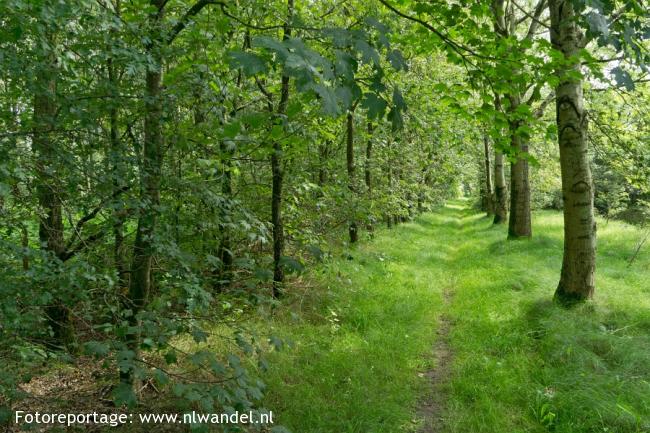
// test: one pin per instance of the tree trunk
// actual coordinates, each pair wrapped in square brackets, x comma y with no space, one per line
[117,173]
[368,166]
[500,190]
[368,172]
[277,175]
[25,245]
[579,261]
[150,177]
[323,154]
[488,176]
[48,188]
[225,245]
[389,176]
[519,225]
[349,129]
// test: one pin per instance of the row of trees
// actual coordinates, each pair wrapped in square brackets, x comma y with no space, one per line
[519,58]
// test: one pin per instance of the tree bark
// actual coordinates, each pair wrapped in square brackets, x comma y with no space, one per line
[579,261]
[117,171]
[389,176]
[488,176]
[150,178]
[349,128]
[519,225]
[500,190]
[225,245]
[277,175]
[323,155]
[368,171]
[48,188]
[368,166]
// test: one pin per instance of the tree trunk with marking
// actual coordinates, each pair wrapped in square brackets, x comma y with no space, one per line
[579,261]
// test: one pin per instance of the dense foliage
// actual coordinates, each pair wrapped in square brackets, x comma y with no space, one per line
[166,168]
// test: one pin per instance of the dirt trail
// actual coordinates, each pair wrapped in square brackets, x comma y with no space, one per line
[432,407]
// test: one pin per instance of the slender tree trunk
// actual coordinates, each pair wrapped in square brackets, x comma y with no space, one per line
[119,248]
[500,190]
[25,245]
[368,167]
[505,24]
[276,218]
[117,172]
[368,172]
[323,156]
[277,175]
[520,222]
[48,188]
[488,176]
[579,261]
[350,167]
[389,175]
[150,178]
[225,245]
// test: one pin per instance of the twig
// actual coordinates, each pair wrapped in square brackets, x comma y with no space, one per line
[638,248]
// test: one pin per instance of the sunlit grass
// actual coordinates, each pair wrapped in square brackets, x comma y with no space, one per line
[365,330]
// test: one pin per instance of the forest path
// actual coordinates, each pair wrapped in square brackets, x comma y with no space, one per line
[373,349]
[431,409]
[443,325]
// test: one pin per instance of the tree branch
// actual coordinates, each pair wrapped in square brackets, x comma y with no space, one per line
[535,22]
[460,49]
[182,23]
[90,215]
[539,112]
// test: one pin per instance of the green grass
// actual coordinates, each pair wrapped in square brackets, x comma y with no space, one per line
[365,328]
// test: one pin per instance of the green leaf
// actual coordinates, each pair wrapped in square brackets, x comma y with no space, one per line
[328,99]
[374,22]
[123,394]
[397,60]
[291,264]
[250,63]
[597,23]
[161,377]
[623,78]
[97,349]
[263,274]
[375,105]
[368,53]
[199,335]
[231,130]
[271,44]
[398,99]
[170,357]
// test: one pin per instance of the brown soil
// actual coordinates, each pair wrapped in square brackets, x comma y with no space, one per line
[432,408]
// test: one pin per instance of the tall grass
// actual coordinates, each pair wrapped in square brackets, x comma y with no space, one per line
[364,329]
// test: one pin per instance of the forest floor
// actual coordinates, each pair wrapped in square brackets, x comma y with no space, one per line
[442,325]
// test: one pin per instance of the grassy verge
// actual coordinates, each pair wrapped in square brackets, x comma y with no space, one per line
[363,332]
